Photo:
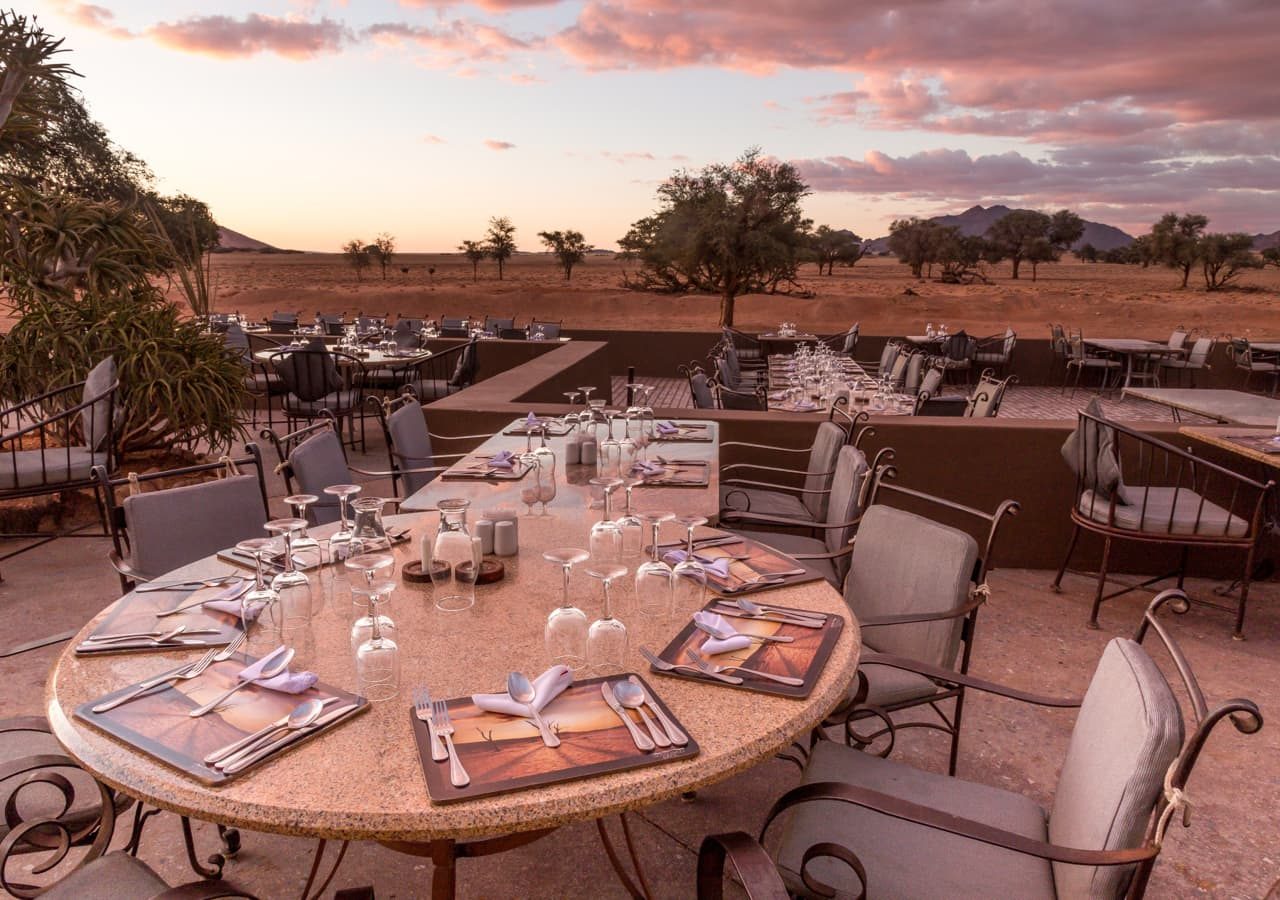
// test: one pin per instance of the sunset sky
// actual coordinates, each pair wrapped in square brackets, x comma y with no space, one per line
[304,124]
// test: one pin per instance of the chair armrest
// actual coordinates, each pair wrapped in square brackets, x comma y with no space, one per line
[724,444]
[954,677]
[459,437]
[122,567]
[379,474]
[773,486]
[203,890]
[804,472]
[25,723]
[788,520]
[834,554]
[753,866]
[909,618]
[941,821]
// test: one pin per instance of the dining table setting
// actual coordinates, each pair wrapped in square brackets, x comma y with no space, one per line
[813,378]
[627,653]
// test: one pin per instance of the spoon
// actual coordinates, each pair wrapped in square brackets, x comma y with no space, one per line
[522,691]
[232,593]
[723,634]
[303,715]
[632,697]
[711,668]
[275,663]
[754,609]
[158,637]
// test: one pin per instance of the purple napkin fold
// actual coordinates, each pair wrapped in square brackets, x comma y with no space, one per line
[530,421]
[228,600]
[643,467]
[668,428]
[806,405]
[502,460]
[286,682]
[715,565]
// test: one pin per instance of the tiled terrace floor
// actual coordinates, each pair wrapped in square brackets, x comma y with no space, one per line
[1019,402]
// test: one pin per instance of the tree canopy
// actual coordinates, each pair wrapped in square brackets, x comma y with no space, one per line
[500,241]
[475,252]
[829,246]
[728,229]
[1175,241]
[569,247]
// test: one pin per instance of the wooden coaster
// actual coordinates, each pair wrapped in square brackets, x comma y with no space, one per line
[490,571]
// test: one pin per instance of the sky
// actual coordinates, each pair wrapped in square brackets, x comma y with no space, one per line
[306,123]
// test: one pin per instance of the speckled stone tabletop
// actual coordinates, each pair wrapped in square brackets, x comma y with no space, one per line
[364,780]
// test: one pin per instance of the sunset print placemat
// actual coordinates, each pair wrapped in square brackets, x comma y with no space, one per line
[803,658]
[504,753]
[679,473]
[751,567]
[157,723]
[136,613]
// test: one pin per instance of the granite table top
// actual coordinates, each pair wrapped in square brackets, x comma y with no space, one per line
[1231,407]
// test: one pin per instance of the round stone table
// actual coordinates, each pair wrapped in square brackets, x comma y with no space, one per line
[364,780]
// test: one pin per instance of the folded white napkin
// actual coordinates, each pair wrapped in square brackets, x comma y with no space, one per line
[546,687]
[715,565]
[712,645]
[286,682]
[806,405]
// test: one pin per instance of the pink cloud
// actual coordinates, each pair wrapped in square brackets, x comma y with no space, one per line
[499,145]
[453,41]
[433,139]
[95,18]
[223,36]
[496,6]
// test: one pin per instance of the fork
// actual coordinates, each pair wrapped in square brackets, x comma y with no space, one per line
[663,666]
[194,670]
[182,585]
[458,776]
[422,709]
[709,668]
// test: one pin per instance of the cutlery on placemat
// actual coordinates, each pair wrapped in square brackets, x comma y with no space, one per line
[458,776]
[422,709]
[302,716]
[723,634]
[663,666]
[158,637]
[710,668]
[274,664]
[632,697]
[291,738]
[185,585]
[736,613]
[231,593]
[191,671]
[521,691]
[753,608]
[678,737]
[699,543]
[309,709]
[642,740]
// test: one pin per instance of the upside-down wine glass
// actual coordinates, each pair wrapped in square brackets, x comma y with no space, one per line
[305,547]
[257,604]
[289,576]
[631,526]
[689,577]
[373,581]
[565,633]
[377,660]
[607,636]
[340,540]
[606,537]
[654,580]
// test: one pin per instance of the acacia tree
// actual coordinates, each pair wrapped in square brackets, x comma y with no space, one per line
[357,256]
[500,241]
[1025,234]
[916,242]
[569,247]
[727,229]
[384,249]
[476,252]
[1175,241]
[830,246]
[1225,256]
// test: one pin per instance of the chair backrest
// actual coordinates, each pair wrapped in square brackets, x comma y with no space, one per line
[235,338]
[887,356]
[549,330]
[95,419]
[513,334]
[1242,351]
[700,388]
[1178,338]
[848,493]
[172,527]
[1010,341]
[497,323]
[409,445]
[370,323]
[464,373]
[1075,346]
[899,370]
[931,382]
[740,399]
[911,380]
[309,373]
[1057,340]
[827,442]
[850,340]
[906,563]
[957,347]
[318,463]
[725,372]
[1127,734]
[325,318]
[735,364]
[1200,352]
[985,401]
[408,324]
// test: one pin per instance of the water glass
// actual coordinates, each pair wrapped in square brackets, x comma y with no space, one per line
[565,633]
[607,636]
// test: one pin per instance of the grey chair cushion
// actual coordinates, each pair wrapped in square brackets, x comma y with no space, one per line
[56,465]
[760,500]
[411,442]
[905,860]
[337,402]
[887,686]
[95,420]
[905,563]
[1164,510]
[701,390]
[1096,466]
[1128,732]
[848,493]
[113,875]
[318,463]
[792,544]
[177,526]
[931,382]
[822,459]
[431,388]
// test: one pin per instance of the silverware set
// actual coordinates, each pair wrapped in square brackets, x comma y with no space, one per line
[663,666]
[194,670]
[622,695]
[153,638]
[303,715]
[292,735]
[272,665]
[706,667]
[743,608]
[216,581]
[435,713]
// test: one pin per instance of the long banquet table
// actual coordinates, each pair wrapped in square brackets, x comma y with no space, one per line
[364,780]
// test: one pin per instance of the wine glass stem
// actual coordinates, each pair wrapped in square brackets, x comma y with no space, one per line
[258,583]
[376,634]
[288,552]
[565,602]
[342,511]
[608,606]
[656,526]
[690,542]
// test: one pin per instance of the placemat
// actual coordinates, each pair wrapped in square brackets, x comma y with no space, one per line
[1265,443]
[679,473]
[686,433]
[504,753]
[158,724]
[476,468]
[802,658]
[136,613]
[554,428]
[757,559]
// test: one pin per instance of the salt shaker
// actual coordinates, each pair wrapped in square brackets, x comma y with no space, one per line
[505,542]
[484,533]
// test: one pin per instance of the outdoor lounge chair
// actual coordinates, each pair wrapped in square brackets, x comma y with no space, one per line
[866,826]
[1177,502]
[1079,357]
[996,352]
[1252,363]
[314,386]
[154,532]
[806,500]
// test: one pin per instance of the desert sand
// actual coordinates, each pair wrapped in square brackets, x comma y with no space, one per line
[1104,300]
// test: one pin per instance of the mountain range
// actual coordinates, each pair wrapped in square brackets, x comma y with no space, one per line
[977,219]
[233,240]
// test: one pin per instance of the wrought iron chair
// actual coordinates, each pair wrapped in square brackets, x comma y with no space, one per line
[315,388]
[1058,344]
[1182,501]
[930,402]
[827,547]
[411,324]
[412,460]
[988,395]
[282,322]
[454,326]
[996,352]
[1195,361]
[699,386]
[804,499]
[915,585]
[549,331]
[846,342]
[53,807]
[496,324]
[957,355]
[153,532]
[868,826]
[747,399]
[1252,363]
[57,439]
[746,346]
[888,358]
[735,372]
[444,373]
[1080,358]
[913,377]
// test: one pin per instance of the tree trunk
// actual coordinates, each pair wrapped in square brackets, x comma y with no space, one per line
[499,269]
[1016,262]
[726,310]
[1186,273]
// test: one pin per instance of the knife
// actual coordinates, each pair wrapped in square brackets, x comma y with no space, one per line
[736,613]
[289,738]
[643,741]
[146,635]
[678,737]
